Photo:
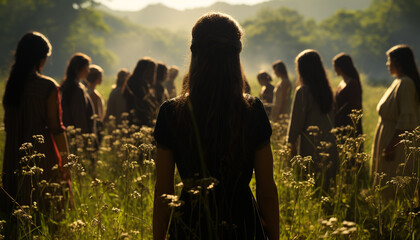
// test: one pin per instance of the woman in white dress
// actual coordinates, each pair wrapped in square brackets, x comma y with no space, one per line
[399,111]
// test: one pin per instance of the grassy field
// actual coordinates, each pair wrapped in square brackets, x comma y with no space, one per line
[115,201]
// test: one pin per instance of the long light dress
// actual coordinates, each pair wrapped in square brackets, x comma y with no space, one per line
[282,99]
[399,109]
[306,113]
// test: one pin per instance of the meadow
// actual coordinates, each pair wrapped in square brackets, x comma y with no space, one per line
[115,201]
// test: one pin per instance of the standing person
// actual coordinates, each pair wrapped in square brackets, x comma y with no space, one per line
[230,138]
[117,105]
[266,93]
[282,91]
[161,94]
[139,92]
[399,111]
[312,118]
[32,107]
[94,79]
[170,83]
[349,92]
[77,105]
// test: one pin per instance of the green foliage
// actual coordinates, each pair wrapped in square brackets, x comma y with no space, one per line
[68,25]
[114,199]
[364,34]
[131,41]
[77,26]
[274,33]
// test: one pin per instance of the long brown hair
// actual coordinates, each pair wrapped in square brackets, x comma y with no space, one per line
[280,67]
[403,57]
[311,72]
[70,82]
[31,49]
[214,84]
[143,76]
[344,62]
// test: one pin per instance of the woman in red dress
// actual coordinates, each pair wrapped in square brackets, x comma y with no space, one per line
[32,108]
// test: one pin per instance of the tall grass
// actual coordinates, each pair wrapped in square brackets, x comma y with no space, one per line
[114,200]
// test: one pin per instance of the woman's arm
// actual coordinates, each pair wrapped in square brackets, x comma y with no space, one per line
[389,151]
[285,86]
[267,197]
[165,167]
[55,126]
[275,111]
[297,120]
[408,115]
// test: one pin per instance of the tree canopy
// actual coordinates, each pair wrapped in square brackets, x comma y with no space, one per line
[273,33]
[364,34]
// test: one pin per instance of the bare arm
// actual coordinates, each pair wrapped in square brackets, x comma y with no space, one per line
[55,126]
[275,111]
[297,120]
[165,167]
[267,197]
[284,96]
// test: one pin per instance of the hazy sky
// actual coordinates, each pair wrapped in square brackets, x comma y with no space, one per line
[134,5]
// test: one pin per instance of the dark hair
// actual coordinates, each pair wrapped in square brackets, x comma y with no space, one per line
[31,49]
[402,56]
[144,74]
[122,77]
[95,72]
[344,62]
[311,72]
[173,72]
[264,76]
[161,72]
[280,67]
[70,82]
[214,84]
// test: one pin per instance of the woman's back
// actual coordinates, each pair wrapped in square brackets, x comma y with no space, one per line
[347,98]
[305,113]
[230,200]
[31,118]
[78,108]
[32,111]
[216,137]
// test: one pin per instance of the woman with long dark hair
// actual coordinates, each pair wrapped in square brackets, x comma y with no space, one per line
[281,100]
[139,92]
[348,95]
[311,118]
[266,93]
[217,136]
[161,94]
[399,111]
[32,107]
[77,105]
[170,83]
[94,79]
[117,105]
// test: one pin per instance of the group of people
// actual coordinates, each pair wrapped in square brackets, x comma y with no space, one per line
[314,104]
[212,131]
[36,105]
[140,93]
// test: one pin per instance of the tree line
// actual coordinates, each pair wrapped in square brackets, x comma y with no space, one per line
[365,34]
[113,42]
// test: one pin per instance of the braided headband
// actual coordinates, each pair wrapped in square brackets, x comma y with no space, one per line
[214,43]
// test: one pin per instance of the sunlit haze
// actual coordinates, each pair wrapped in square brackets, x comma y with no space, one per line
[134,5]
